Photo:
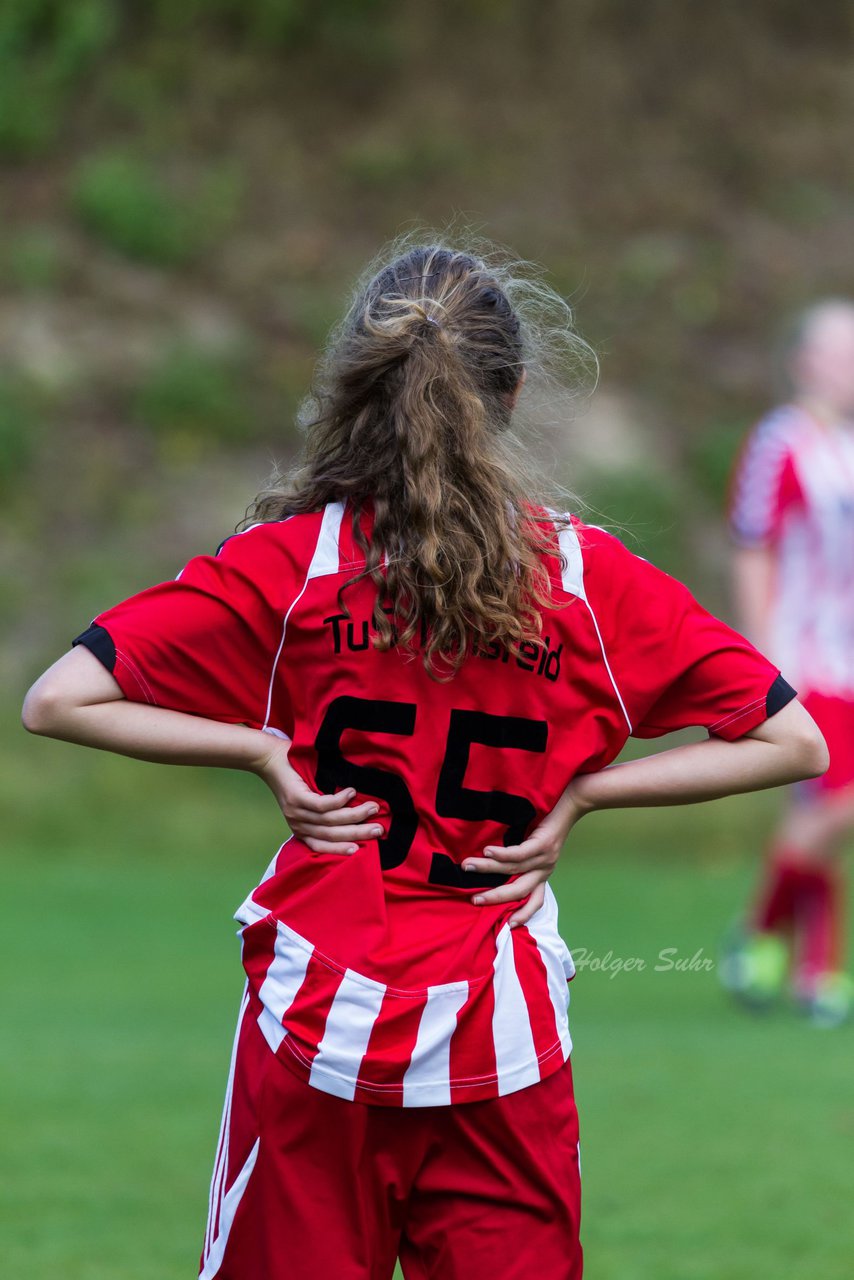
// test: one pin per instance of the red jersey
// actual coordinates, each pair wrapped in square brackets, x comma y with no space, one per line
[379,980]
[792,491]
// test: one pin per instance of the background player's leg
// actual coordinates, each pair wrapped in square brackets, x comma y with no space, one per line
[819,950]
[819,981]
[775,903]
[800,898]
[498,1196]
[818,828]
[306,1185]
[795,922]
[756,954]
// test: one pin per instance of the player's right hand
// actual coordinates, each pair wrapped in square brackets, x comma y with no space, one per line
[326,823]
[531,862]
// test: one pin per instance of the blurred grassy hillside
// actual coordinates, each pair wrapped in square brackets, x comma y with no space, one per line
[186,192]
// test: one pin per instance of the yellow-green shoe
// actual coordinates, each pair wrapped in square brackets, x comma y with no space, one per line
[752,967]
[831,1000]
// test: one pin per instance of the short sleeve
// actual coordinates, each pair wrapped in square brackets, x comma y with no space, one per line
[673,663]
[764,484]
[206,641]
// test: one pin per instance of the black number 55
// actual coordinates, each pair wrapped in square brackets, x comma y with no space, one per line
[453,798]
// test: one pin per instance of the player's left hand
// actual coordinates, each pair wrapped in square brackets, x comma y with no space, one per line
[532,861]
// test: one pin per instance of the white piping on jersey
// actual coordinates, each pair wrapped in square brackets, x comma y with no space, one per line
[325,560]
[572,577]
[276,659]
[271,870]
[228,539]
[266,725]
[608,666]
[249,911]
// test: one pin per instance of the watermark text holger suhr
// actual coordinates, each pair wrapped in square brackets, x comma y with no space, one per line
[668,960]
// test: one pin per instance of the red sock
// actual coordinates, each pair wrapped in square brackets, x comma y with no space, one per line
[776,904]
[819,924]
[806,900]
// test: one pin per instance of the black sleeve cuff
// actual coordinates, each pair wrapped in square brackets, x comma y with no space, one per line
[99,640]
[779,694]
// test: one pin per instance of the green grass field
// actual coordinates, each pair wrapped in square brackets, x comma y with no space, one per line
[714,1147]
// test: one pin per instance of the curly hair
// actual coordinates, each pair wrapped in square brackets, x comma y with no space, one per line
[410,411]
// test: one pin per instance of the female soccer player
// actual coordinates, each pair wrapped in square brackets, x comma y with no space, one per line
[792,518]
[408,627]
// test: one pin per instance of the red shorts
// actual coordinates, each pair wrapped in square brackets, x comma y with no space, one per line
[835,718]
[308,1186]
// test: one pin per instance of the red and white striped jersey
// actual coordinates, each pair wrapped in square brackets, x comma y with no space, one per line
[793,490]
[380,980]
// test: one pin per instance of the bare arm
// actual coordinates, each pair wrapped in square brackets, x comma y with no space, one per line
[78,700]
[753,571]
[785,748]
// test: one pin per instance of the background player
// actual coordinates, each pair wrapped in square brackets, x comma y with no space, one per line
[406,626]
[792,516]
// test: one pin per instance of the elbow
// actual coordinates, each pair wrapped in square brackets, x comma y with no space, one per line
[799,746]
[813,756]
[41,712]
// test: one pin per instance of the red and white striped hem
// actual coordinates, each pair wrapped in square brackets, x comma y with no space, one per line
[362,1040]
